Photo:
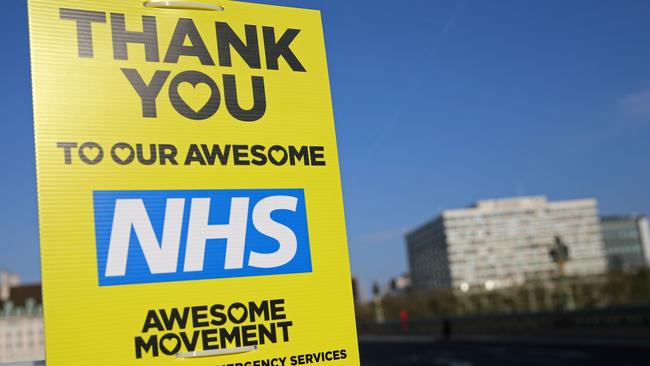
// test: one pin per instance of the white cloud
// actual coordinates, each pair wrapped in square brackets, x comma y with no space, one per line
[637,104]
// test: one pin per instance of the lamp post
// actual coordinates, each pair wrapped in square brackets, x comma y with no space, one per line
[560,255]
[379,312]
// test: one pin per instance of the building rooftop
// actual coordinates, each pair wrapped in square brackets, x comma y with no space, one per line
[614,218]
[517,204]
[20,294]
[512,204]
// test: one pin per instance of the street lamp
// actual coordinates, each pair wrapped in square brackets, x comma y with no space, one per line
[379,312]
[560,255]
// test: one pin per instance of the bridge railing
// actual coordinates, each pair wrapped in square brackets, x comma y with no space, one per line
[621,321]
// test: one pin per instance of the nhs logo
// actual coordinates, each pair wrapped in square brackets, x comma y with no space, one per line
[165,236]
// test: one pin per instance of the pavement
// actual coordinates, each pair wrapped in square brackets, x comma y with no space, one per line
[401,350]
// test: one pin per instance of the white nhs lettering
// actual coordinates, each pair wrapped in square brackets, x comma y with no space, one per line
[162,257]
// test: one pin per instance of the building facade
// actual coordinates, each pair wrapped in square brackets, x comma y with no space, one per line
[21,322]
[7,281]
[627,242]
[499,243]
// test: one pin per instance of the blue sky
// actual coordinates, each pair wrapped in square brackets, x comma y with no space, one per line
[437,104]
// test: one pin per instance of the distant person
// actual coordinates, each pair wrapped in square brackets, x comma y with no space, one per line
[404,320]
[446,329]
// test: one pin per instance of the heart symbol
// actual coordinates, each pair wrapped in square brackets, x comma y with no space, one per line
[237,313]
[123,153]
[96,153]
[167,342]
[90,152]
[195,96]
[200,90]
[278,155]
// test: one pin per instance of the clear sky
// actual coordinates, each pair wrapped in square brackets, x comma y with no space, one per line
[437,104]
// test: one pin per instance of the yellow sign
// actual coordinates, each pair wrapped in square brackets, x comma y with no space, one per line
[189,191]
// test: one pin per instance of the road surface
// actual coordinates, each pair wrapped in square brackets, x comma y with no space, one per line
[402,352]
